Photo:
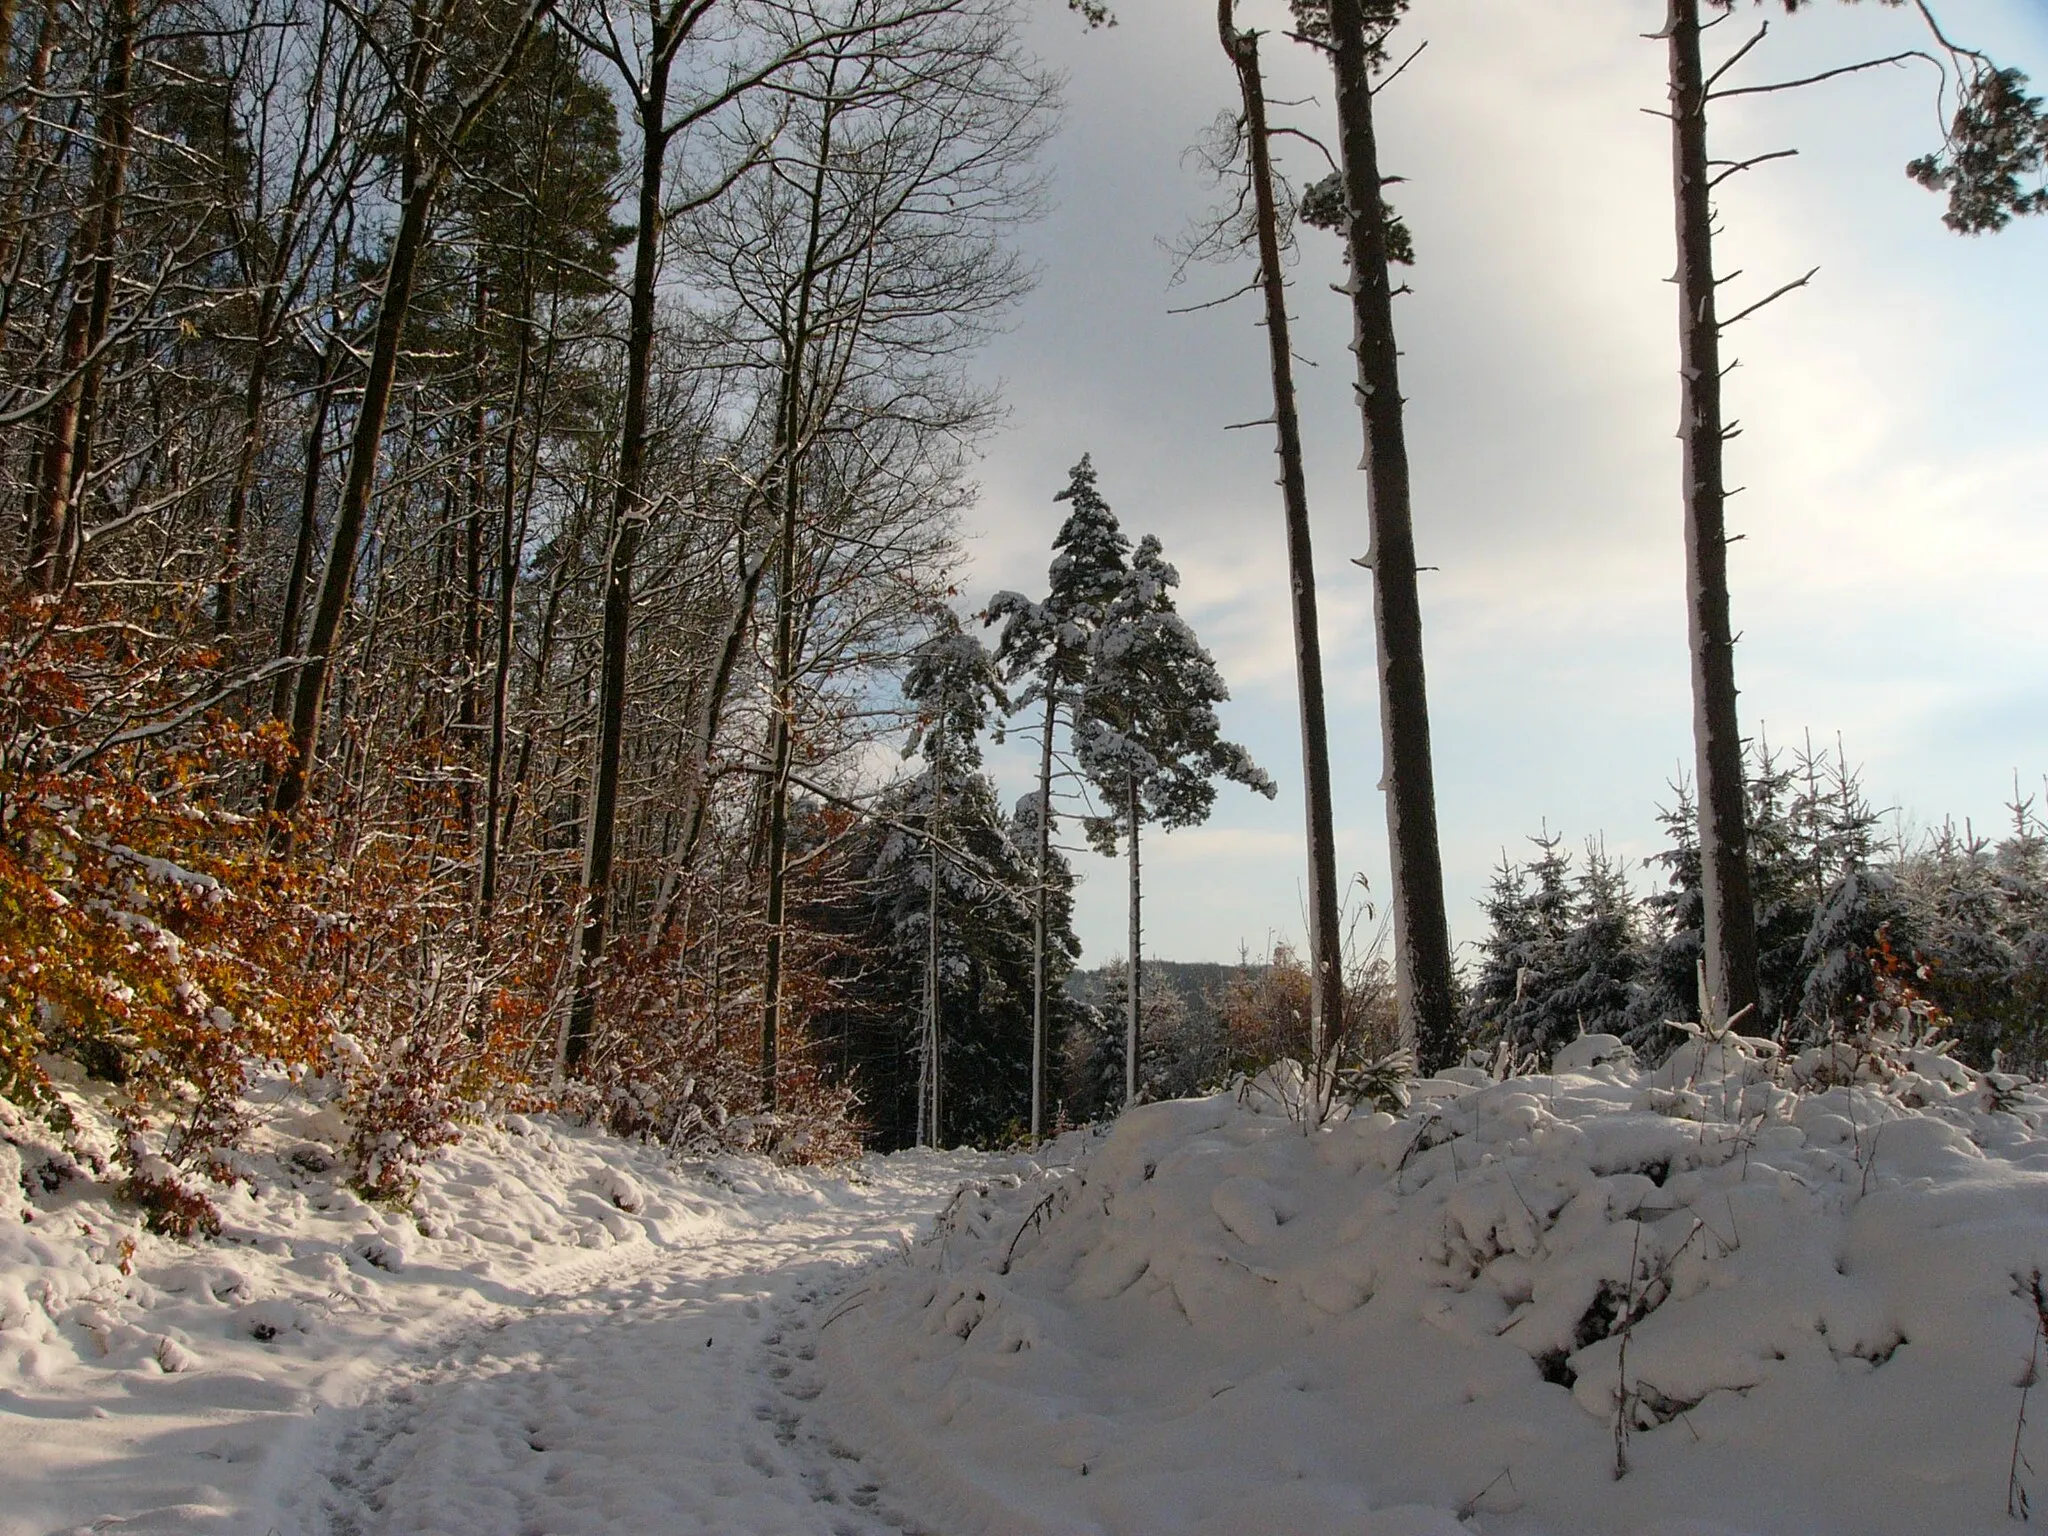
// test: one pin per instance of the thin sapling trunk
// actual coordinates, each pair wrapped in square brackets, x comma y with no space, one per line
[1325,940]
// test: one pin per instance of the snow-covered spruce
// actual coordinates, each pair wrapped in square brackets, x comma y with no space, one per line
[1780,1297]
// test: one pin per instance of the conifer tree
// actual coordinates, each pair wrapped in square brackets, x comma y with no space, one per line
[1147,737]
[937,846]
[1354,33]
[1995,138]
[1044,647]
[1976,918]
[953,683]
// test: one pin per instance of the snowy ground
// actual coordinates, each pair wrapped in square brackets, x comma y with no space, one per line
[564,1334]
[1737,1296]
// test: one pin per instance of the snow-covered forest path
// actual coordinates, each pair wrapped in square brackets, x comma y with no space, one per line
[673,1400]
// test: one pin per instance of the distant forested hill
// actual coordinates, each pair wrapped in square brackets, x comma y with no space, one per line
[1199,982]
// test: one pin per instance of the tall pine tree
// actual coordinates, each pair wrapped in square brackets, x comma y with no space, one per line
[1147,737]
[1044,647]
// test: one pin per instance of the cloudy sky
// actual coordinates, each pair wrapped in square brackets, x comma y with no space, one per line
[1890,583]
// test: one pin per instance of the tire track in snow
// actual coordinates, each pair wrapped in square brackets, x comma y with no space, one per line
[673,1400]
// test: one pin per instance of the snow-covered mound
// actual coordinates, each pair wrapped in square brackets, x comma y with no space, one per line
[1738,1295]
[152,1384]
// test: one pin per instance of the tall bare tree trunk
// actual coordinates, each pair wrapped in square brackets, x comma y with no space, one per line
[1132,992]
[1038,925]
[57,538]
[629,523]
[711,708]
[1422,941]
[309,699]
[1325,938]
[935,1047]
[253,400]
[1731,943]
[309,522]
[791,433]
[25,162]
[781,757]
[511,537]
[473,546]
[425,165]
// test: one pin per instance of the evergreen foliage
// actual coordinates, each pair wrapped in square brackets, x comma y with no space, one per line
[1564,953]
[946,818]
[1146,721]
[1182,1049]
[1043,649]
[1844,914]
[1997,142]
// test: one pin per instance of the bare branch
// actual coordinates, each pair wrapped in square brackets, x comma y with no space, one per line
[1826,74]
[1767,298]
[1733,167]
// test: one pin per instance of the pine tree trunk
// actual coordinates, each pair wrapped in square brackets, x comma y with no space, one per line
[1422,943]
[1133,992]
[1731,943]
[1038,915]
[629,522]
[1325,937]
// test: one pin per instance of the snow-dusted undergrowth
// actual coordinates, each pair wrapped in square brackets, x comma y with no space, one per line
[1778,1296]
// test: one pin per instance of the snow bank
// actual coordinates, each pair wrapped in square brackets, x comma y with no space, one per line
[1775,1296]
[171,1386]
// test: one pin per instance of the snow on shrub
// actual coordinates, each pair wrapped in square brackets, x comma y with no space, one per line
[676,1059]
[1784,1293]
[145,932]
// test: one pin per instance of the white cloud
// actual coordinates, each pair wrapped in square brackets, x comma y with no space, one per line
[1888,582]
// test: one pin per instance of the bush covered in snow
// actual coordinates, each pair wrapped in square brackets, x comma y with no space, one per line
[1751,1290]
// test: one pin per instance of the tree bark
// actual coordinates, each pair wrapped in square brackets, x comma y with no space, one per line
[421,180]
[1422,944]
[511,538]
[711,709]
[57,539]
[934,1047]
[1038,934]
[791,433]
[1730,912]
[629,522]
[1325,937]
[309,522]
[310,697]
[1132,992]
[253,401]
[473,544]
[25,163]
[781,750]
